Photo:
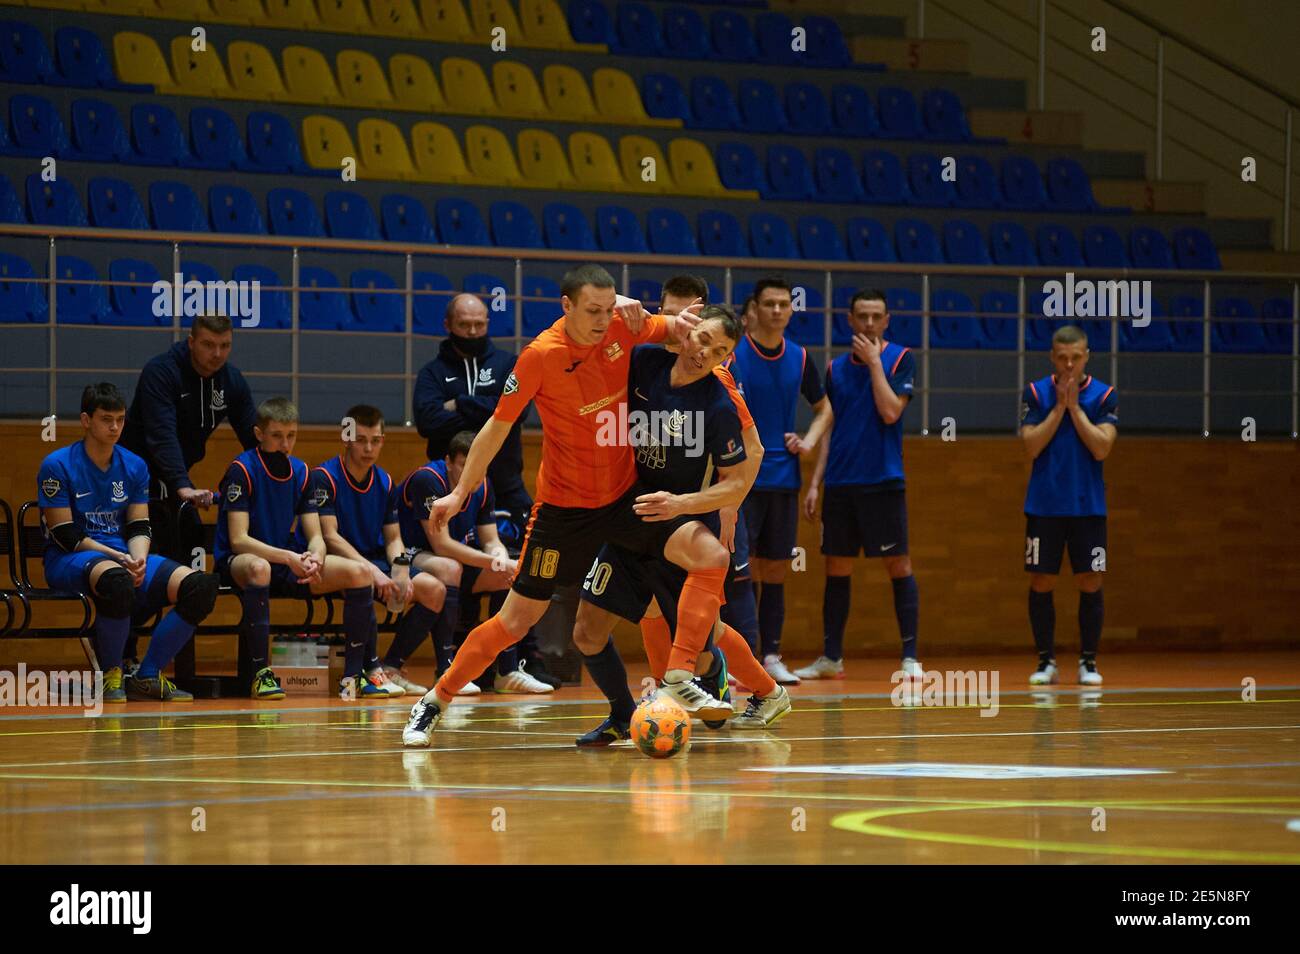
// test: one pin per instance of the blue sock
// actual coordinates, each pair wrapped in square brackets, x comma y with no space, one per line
[907,605]
[740,612]
[372,645]
[771,617]
[835,614]
[412,629]
[1092,613]
[257,617]
[610,676]
[110,640]
[444,630]
[508,660]
[1042,620]
[358,614]
[169,636]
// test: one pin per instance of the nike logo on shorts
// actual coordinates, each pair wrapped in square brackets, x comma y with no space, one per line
[889,547]
[737,569]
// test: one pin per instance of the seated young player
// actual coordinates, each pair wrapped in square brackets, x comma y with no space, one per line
[94,500]
[263,499]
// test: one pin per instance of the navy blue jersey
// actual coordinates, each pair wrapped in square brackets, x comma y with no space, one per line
[1066,480]
[98,498]
[415,498]
[272,503]
[771,384]
[864,450]
[362,510]
[681,435]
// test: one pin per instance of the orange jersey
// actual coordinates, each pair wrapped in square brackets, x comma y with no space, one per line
[571,385]
[723,371]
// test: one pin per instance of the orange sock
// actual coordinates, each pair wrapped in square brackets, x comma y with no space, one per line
[742,661]
[658,639]
[697,610]
[481,646]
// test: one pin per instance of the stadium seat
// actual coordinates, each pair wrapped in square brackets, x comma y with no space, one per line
[383,153]
[916,242]
[322,305]
[396,18]
[806,110]
[808,325]
[904,317]
[238,11]
[1276,324]
[232,209]
[1010,244]
[292,14]
[693,172]
[273,144]
[1022,185]
[54,203]
[1187,327]
[447,22]
[542,160]
[465,87]
[275,308]
[685,34]
[22,300]
[567,94]
[963,243]
[760,107]
[429,311]
[869,241]
[543,310]
[307,77]
[345,16]
[374,302]
[774,33]
[516,91]
[977,184]
[841,333]
[491,160]
[594,166]
[437,153]
[1038,328]
[882,179]
[740,291]
[326,142]
[643,290]
[1148,248]
[215,140]
[98,133]
[712,104]
[636,31]
[720,235]
[952,320]
[24,55]
[1157,336]
[770,237]
[732,38]
[899,116]
[1103,248]
[1236,329]
[619,230]
[639,157]
[852,112]
[788,176]
[82,61]
[926,183]
[292,212]
[349,216]
[618,100]
[198,272]
[1058,247]
[826,45]
[944,119]
[199,72]
[1195,249]
[566,227]
[589,22]
[361,80]
[836,176]
[997,333]
[36,128]
[819,239]
[487,15]
[546,26]
[459,222]
[79,303]
[405,219]
[414,85]
[157,136]
[738,167]
[11,207]
[670,233]
[115,205]
[513,226]
[663,98]
[132,304]
[139,61]
[1068,189]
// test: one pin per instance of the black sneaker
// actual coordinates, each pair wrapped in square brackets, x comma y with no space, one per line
[607,733]
[719,687]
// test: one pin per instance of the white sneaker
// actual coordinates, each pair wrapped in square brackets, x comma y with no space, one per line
[395,676]
[520,681]
[1088,674]
[695,700]
[761,713]
[822,668]
[378,678]
[470,689]
[1045,675]
[419,727]
[778,671]
[911,669]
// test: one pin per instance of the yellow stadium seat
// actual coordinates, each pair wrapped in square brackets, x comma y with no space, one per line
[593,163]
[491,160]
[253,72]
[238,11]
[567,95]
[465,87]
[138,60]
[633,151]
[619,101]
[292,14]
[446,21]
[545,25]
[198,74]
[414,85]
[395,18]
[345,16]
[517,93]
[487,15]
[361,79]
[58,4]
[437,154]
[383,151]
[326,142]
[691,165]
[542,161]
[308,78]
[194,10]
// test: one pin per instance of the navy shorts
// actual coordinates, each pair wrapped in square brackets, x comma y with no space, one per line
[740,572]
[622,582]
[856,520]
[283,583]
[1046,538]
[772,517]
[70,572]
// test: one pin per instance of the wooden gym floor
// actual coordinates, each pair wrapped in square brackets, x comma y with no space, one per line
[1168,764]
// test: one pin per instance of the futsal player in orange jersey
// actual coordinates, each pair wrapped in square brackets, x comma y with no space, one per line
[586,492]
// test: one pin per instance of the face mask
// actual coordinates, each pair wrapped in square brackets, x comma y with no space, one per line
[469,347]
[277,462]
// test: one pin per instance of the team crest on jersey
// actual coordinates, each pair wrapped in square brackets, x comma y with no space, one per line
[119,494]
[613,352]
[318,497]
[233,491]
[484,376]
[512,384]
[218,400]
[50,486]
[429,502]
[1024,411]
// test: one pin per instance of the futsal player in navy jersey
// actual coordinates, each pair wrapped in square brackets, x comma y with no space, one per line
[865,506]
[263,498]
[773,372]
[1068,422]
[94,500]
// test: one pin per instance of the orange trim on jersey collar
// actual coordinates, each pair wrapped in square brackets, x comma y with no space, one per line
[758,349]
[268,470]
[899,361]
[370,481]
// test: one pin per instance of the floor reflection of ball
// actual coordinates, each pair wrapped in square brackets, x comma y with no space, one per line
[661,728]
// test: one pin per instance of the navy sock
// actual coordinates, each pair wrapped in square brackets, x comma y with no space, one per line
[169,636]
[835,614]
[444,629]
[508,660]
[110,640]
[610,676]
[1092,612]
[740,611]
[1042,620]
[372,645]
[907,607]
[257,617]
[358,614]
[771,617]
[411,630]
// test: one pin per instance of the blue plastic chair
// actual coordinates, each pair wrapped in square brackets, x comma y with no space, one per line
[275,308]
[806,110]
[904,317]
[513,226]
[963,243]
[175,208]
[1157,336]
[82,61]
[115,205]
[1148,248]
[79,303]
[1103,248]
[645,291]
[882,179]
[869,241]
[322,302]
[1276,325]
[996,333]
[157,136]
[272,144]
[732,38]
[826,45]
[837,176]
[1022,184]
[1009,244]
[720,235]
[132,304]
[429,310]
[349,216]
[977,184]
[36,128]
[899,116]
[788,177]
[11,207]
[215,140]
[1068,188]
[663,98]
[1236,329]
[952,320]
[670,233]
[853,113]
[819,239]
[565,226]
[712,104]
[770,237]
[1187,328]
[22,300]
[589,22]
[374,304]
[292,212]
[24,55]
[1038,327]
[54,203]
[774,31]
[459,222]
[405,219]
[619,230]
[1058,247]
[685,35]
[738,167]
[1195,249]
[636,31]
[98,134]
[541,313]
[926,182]
[943,116]
[916,242]
[760,107]
[233,209]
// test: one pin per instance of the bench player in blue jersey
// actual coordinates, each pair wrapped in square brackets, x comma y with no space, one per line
[1068,422]
[94,500]
[864,509]
[263,498]
[773,372]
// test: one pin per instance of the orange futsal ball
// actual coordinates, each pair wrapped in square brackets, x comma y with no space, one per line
[661,728]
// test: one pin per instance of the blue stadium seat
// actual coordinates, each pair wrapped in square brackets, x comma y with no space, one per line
[349,216]
[1058,247]
[738,167]
[841,333]
[952,320]
[837,176]
[1195,249]
[808,327]
[1157,336]
[806,110]
[869,241]
[459,222]
[1277,325]
[589,22]
[486,285]
[1010,244]
[826,46]
[215,140]
[1039,328]
[732,38]
[774,32]
[132,304]
[899,117]
[292,212]
[98,134]
[233,209]
[21,300]
[1103,248]
[542,313]
[1068,188]
[739,292]
[322,304]
[995,333]
[663,97]
[273,144]
[513,226]
[157,136]
[11,207]
[977,184]
[429,311]
[274,307]
[670,233]
[904,317]
[712,104]
[54,203]
[79,303]
[943,116]
[24,55]
[374,304]
[882,179]
[1236,329]
[963,243]
[916,242]
[637,31]
[565,226]
[174,207]
[685,35]
[82,61]
[720,235]
[1187,329]
[788,176]
[760,107]
[1022,184]
[619,230]
[926,182]
[198,272]
[405,219]
[36,128]
[852,112]
[645,291]
[1148,248]
[770,237]
[819,238]
[115,205]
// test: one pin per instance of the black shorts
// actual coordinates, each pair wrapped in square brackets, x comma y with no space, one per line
[623,583]
[857,520]
[561,542]
[283,583]
[772,518]
[1046,538]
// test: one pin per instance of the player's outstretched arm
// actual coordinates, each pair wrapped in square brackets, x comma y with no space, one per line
[481,453]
